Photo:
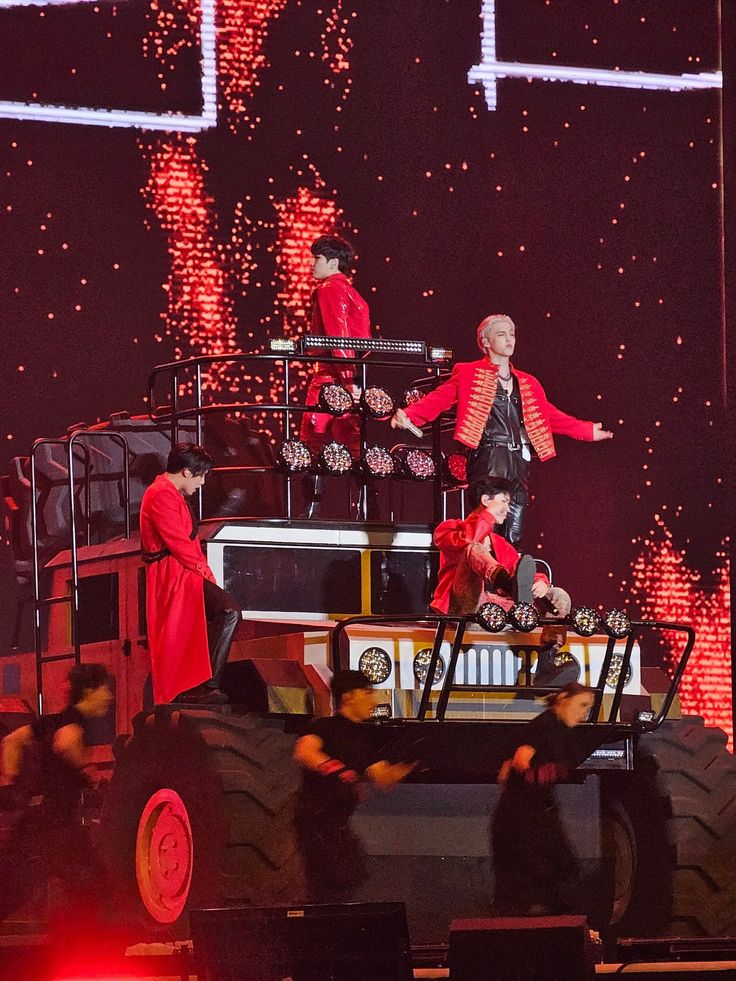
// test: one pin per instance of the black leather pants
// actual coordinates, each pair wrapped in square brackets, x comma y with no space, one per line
[223,616]
[499,461]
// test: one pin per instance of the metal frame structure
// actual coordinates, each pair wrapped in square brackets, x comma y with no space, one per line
[71,443]
[461,623]
[176,374]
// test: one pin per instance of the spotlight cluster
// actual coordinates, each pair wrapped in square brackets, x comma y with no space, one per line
[377,462]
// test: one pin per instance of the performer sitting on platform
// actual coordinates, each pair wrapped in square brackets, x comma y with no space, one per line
[341,760]
[190,620]
[503,417]
[536,870]
[45,765]
[338,311]
[478,566]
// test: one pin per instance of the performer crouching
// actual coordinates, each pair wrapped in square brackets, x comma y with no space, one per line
[191,620]
[478,566]
[341,763]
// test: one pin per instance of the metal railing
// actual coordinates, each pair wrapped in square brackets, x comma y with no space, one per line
[461,624]
[177,374]
[71,443]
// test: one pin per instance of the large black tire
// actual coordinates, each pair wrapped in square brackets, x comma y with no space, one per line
[199,812]
[670,830]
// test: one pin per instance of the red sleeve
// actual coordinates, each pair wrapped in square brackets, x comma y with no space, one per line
[449,536]
[170,523]
[562,423]
[436,402]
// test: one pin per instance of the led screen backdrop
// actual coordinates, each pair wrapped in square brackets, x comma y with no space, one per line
[166,163]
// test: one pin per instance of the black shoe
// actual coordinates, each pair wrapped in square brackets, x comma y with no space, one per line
[526,569]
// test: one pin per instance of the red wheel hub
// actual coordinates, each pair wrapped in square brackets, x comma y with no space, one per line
[164,856]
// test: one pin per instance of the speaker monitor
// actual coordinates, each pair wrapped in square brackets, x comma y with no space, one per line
[544,948]
[349,942]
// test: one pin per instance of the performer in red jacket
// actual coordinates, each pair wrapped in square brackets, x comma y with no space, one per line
[190,620]
[338,311]
[478,566]
[503,416]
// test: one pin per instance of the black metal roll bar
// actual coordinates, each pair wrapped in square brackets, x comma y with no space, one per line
[72,443]
[461,623]
[173,374]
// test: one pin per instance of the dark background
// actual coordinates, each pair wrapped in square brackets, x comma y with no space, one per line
[615,196]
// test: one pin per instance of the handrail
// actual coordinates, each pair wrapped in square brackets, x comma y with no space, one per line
[71,443]
[172,413]
[461,624]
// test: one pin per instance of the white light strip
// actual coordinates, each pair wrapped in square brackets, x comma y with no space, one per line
[168,121]
[490,70]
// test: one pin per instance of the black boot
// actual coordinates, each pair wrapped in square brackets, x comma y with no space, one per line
[360,492]
[524,573]
[313,487]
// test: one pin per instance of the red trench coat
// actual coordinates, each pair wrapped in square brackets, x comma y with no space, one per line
[177,628]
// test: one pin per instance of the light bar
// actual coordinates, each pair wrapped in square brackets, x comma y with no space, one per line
[491,69]
[285,344]
[170,122]
[440,354]
[382,344]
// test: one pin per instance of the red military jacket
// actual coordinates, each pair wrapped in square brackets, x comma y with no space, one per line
[472,387]
[452,537]
[339,311]
[175,617]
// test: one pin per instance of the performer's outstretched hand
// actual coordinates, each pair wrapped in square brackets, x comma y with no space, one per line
[400,420]
[599,432]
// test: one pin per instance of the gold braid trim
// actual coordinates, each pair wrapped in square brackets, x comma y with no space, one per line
[480,401]
[537,427]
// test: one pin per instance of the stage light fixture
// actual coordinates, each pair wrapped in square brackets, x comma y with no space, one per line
[421,666]
[411,396]
[285,345]
[294,456]
[336,459]
[491,617]
[375,664]
[617,624]
[456,468]
[414,463]
[440,354]
[614,671]
[378,463]
[336,399]
[646,716]
[585,621]
[524,617]
[377,403]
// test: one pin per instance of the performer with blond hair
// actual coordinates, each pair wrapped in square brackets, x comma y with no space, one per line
[503,417]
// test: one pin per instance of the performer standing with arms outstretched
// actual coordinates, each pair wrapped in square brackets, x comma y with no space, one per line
[338,311]
[503,417]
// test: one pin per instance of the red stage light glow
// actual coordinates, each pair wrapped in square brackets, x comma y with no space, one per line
[667,589]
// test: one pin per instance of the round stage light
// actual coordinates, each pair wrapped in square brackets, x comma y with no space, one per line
[336,399]
[421,666]
[410,396]
[375,664]
[523,616]
[617,624]
[456,468]
[415,464]
[378,463]
[614,672]
[377,403]
[294,456]
[491,617]
[335,459]
[585,621]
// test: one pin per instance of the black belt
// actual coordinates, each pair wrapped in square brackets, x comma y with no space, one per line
[150,557]
[505,441]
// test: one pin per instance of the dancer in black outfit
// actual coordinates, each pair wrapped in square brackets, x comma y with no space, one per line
[45,764]
[341,762]
[536,870]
